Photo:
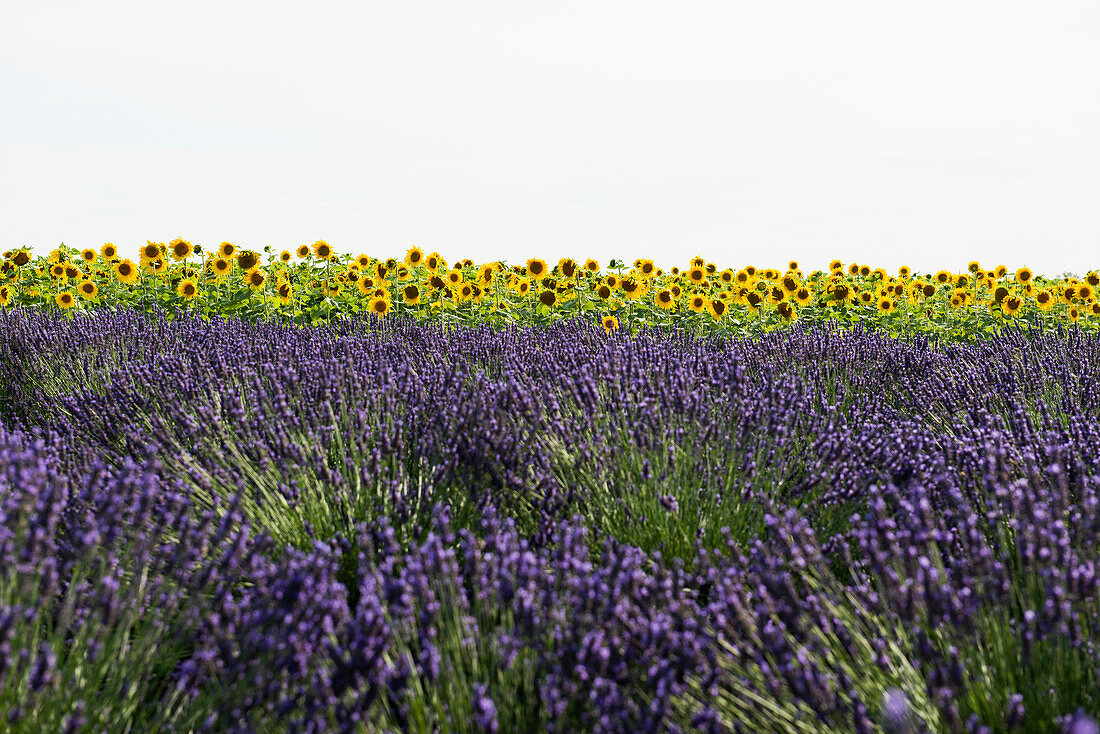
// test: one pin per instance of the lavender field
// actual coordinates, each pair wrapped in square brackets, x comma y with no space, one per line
[388,526]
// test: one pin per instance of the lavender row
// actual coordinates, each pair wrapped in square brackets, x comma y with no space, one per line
[410,528]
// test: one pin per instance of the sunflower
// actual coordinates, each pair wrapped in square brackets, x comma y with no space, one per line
[413,256]
[697,303]
[664,299]
[697,275]
[1093,278]
[853,269]
[411,294]
[302,251]
[1044,300]
[603,292]
[65,299]
[523,286]
[548,298]
[255,279]
[434,262]
[187,289]
[126,271]
[379,306]
[285,256]
[180,249]
[646,267]
[333,288]
[1074,314]
[698,262]
[591,266]
[1000,271]
[836,266]
[284,292]
[221,266]
[610,323]
[88,254]
[5,295]
[536,268]
[466,292]
[108,251]
[974,266]
[72,272]
[151,251]
[57,271]
[567,266]
[454,277]
[1067,293]
[1011,306]
[322,250]
[904,272]
[88,289]
[803,296]
[1000,293]
[1085,292]
[787,311]
[717,308]
[631,288]
[886,305]
[790,283]
[366,285]
[247,260]
[486,274]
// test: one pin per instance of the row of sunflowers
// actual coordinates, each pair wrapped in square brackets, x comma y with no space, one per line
[315,283]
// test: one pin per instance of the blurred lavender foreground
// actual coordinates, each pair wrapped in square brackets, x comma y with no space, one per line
[221,526]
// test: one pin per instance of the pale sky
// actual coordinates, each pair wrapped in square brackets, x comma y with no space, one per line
[927,133]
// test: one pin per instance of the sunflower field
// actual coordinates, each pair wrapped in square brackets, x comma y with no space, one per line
[315,284]
[307,492]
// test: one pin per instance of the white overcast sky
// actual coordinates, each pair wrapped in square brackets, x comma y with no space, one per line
[927,133]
